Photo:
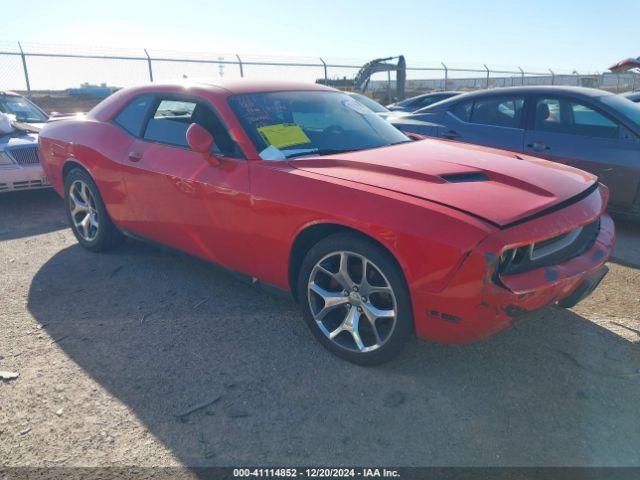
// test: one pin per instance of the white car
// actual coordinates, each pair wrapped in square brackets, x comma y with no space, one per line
[20,167]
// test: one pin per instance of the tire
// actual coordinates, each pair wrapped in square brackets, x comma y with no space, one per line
[337,305]
[98,233]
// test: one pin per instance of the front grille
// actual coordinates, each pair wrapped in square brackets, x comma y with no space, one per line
[27,184]
[549,252]
[25,155]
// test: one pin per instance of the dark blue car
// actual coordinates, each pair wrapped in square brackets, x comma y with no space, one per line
[586,128]
[421,101]
[633,96]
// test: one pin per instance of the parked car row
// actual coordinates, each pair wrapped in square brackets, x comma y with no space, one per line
[301,187]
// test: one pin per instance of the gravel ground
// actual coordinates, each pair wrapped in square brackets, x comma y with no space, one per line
[113,351]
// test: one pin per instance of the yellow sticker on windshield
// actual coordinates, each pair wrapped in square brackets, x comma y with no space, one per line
[283,135]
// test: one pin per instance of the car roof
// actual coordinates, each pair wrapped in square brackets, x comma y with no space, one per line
[227,87]
[579,92]
[429,94]
[254,86]
[540,89]
[109,106]
[445,92]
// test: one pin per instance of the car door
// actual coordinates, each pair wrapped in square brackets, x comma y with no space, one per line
[179,198]
[493,121]
[577,133]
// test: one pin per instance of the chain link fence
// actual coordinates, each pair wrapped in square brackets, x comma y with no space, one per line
[33,67]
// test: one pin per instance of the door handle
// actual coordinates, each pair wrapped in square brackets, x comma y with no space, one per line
[538,146]
[135,156]
[451,134]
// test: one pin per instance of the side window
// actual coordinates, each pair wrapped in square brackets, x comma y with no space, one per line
[462,110]
[425,102]
[590,123]
[573,118]
[170,122]
[132,117]
[172,118]
[498,111]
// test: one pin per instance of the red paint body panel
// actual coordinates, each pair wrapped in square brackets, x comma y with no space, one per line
[521,187]
[245,214]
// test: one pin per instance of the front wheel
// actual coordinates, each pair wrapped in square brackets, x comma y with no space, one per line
[87,215]
[355,300]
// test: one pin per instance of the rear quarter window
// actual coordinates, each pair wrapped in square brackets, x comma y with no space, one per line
[498,111]
[132,117]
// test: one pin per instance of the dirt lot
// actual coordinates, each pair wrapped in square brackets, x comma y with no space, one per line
[61,102]
[114,350]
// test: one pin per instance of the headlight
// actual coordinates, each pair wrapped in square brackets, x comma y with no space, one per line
[5,159]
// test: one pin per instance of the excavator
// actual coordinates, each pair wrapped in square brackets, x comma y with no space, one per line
[362,78]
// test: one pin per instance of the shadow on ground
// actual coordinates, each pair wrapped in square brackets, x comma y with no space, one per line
[627,251]
[166,334]
[29,213]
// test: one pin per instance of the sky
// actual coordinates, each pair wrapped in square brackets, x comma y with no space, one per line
[586,35]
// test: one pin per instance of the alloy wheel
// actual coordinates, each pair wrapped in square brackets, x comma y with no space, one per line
[351,301]
[83,209]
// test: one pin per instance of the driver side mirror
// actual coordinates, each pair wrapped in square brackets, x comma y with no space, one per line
[201,141]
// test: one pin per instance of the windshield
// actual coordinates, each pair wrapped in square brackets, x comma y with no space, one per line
[624,106]
[370,103]
[22,109]
[290,124]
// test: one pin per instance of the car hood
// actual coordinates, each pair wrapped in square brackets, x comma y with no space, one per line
[18,139]
[498,186]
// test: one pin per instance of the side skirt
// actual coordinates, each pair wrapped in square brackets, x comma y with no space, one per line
[246,279]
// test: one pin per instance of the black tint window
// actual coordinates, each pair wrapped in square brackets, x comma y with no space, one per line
[462,110]
[588,122]
[172,118]
[425,102]
[498,111]
[561,115]
[132,117]
[170,122]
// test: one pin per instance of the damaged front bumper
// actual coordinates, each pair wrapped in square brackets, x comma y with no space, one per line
[479,301]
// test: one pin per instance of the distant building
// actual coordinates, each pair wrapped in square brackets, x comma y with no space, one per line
[93,91]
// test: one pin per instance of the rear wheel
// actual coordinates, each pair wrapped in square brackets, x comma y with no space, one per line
[87,215]
[355,300]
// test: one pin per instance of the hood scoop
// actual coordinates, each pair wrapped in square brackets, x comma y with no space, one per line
[465,177]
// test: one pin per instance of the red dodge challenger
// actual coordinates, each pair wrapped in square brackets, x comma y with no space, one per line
[376,235]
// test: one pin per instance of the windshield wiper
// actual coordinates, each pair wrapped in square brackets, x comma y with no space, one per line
[302,153]
[321,152]
[332,151]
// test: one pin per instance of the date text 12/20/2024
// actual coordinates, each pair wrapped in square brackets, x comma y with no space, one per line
[316,472]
